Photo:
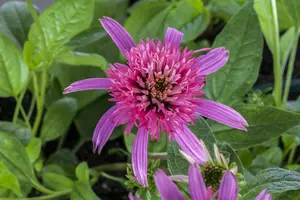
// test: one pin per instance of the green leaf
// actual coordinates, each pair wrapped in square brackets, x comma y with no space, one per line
[60,22]
[63,157]
[226,149]
[293,8]
[176,163]
[82,172]
[18,19]
[14,157]
[276,180]
[225,9]
[17,130]
[82,59]
[58,118]
[284,20]
[67,74]
[286,43]
[33,149]
[88,117]
[242,37]
[13,71]
[147,19]
[289,195]
[268,20]
[8,180]
[57,181]
[83,191]
[265,123]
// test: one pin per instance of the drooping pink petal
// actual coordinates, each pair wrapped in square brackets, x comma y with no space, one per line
[89,84]
[212,61]
[191,145]
[139,156]
[228,189]
[221,113]
[264,195]
[104,129]
[173,37]
[197,186]
[167,189]
[131,197]
[119,35]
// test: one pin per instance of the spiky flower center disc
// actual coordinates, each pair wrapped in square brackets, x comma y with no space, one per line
[212,174]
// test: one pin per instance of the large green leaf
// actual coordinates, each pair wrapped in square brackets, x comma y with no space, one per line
[8,180]
[276,180]
[242,36]
[14,157]
[17,130]
[57,181]
[289,195]
[83,191]
[293,9]
[83,59]
[284,20]
[33,149]
[176,163]
[16,16]
[58,118]
[225,9]
[13,71]
[268,19]
[265,123]
[60,22]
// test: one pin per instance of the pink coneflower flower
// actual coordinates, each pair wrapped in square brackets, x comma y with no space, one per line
[158,89]
[228,189]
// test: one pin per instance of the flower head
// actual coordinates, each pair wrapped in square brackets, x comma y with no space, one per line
[157,90]
[228,189]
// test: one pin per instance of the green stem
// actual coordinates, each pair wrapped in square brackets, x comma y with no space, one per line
[290,70]
[78,145]
[276,59]
[39,26]
[51,196]
[292,155]
[111,167]
[32,104]
[18,106]
[161,156]
[117,179]
[41,188]
[25,118]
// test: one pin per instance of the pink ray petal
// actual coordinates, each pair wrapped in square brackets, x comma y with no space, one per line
[221,113]
[167,189]
[139,156]
[173,37]
[264,195]
[228,189]
[118,34]
[89,84]
[197,186]
[191,145]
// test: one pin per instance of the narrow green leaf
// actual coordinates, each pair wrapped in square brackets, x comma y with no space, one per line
[82,59]
[276,180]
[17,130]
[293,9]
[268,20]
[33,149]
[57,181]
[286,43]
[265,123]
[242,37]
[13,71]
[58,118]
[82,172]
[8,180]
[176,163]
[61,21]
[18,19]
[14,157]
[83,191]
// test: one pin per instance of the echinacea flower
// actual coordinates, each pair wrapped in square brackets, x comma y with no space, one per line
[157,90]
[228,189]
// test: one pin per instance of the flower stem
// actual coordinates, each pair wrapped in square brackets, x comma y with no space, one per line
[290,70]
[161,156]
[32,104]
[292,155]
[50,196]
[111,167]
[41,188]
[114,178]
[78,145]
[18,106]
